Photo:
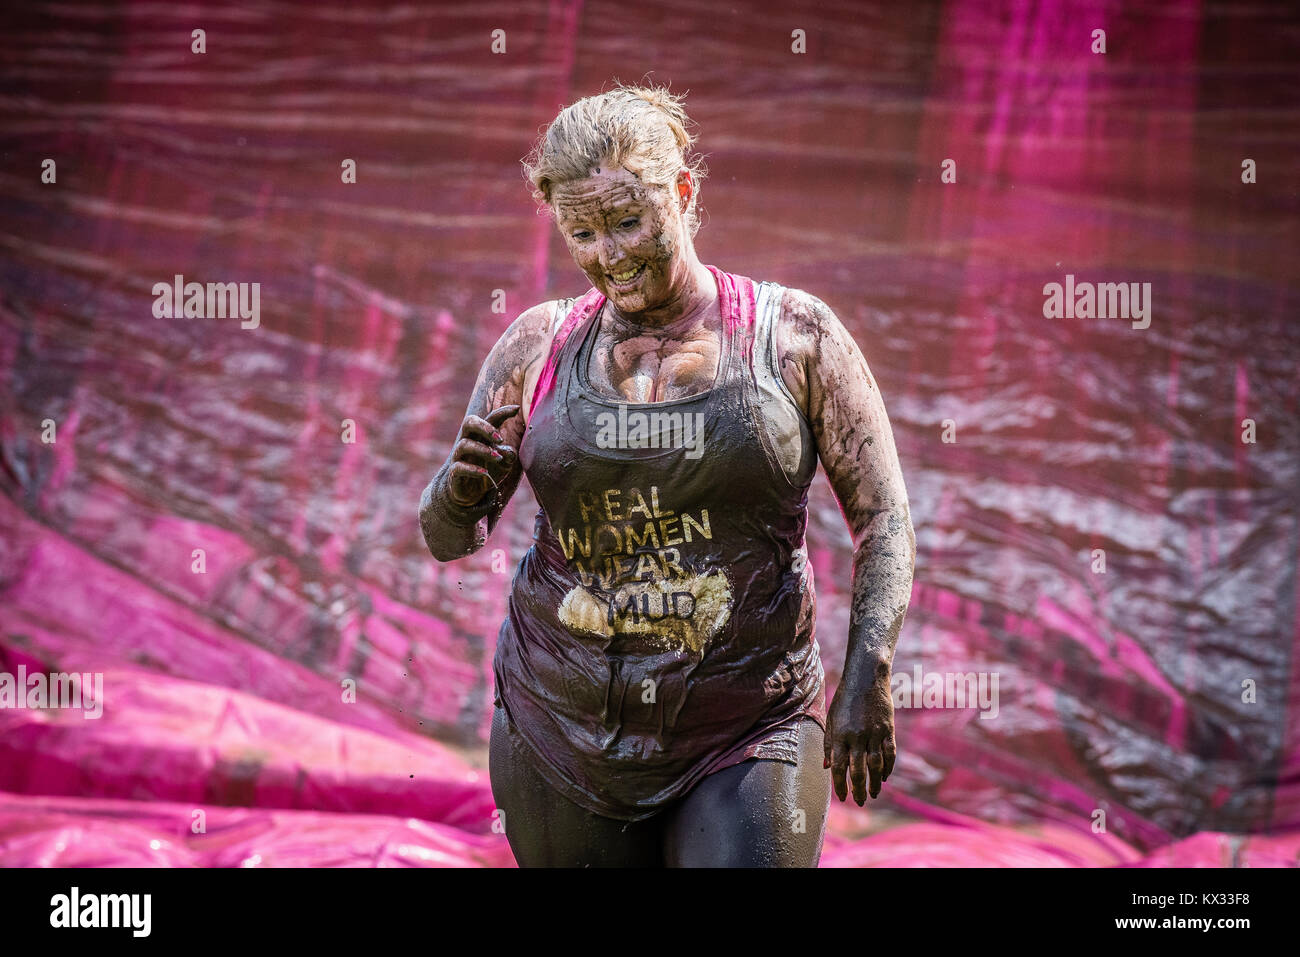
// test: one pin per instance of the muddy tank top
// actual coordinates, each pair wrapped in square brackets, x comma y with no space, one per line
[661,626]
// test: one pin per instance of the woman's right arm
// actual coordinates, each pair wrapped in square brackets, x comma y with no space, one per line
[462,504]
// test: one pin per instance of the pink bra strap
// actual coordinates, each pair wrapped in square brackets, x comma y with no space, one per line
[580,311]
[738,297]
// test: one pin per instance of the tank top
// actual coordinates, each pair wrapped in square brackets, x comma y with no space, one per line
[661,625]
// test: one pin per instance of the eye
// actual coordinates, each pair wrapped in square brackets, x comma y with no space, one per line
[631,219]
[582,234]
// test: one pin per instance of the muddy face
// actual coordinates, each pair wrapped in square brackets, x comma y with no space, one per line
[626,236]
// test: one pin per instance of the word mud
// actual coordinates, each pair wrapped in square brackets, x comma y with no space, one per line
[627,554]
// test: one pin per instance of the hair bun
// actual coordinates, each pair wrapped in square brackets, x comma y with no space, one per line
[662,98]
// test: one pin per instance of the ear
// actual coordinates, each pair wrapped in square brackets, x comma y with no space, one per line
[685,189]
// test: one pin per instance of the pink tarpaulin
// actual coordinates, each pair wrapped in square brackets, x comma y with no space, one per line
[219,523]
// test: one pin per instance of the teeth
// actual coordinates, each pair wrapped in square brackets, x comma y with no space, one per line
[625,276]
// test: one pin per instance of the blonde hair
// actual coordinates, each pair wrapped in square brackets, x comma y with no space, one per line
[641,128]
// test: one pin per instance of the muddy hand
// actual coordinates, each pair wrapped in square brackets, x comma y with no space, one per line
[860,739]
[481,458]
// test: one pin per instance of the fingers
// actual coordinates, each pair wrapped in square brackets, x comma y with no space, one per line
[498,460]
[476,453]
[839,769]
[487,429]
[480,457]
[858,766]
[875,764]
[858,771]
[481,443]
[499,416]
[467,483]
[478,429]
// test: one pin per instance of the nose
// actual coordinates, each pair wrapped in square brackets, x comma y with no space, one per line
[611,254]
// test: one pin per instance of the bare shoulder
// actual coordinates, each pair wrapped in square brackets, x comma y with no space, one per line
[529,333]
[517,355]
[805,325]
[805,318]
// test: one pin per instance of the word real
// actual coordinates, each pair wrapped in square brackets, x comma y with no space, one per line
[651,430]
[103,910]
[84,692]
[218,300]
[626,535]
[946,690]
[1106,300]
[634,580]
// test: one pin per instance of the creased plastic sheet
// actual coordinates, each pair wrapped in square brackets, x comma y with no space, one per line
[290,679]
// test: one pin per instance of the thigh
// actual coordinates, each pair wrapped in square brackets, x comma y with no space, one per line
[546,829]
[748,815]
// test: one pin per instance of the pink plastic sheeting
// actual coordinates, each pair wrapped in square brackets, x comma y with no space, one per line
[180,741]
[1119,692]
[82,832]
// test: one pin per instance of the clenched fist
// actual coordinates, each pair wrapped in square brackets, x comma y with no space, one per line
[481,458]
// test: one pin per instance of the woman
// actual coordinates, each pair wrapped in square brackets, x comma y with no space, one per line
[659,692]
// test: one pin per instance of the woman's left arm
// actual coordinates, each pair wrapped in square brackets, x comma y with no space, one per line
[826,371]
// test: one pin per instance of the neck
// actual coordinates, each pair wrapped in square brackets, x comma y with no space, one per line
[689,298]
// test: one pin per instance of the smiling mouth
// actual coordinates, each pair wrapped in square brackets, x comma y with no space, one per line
[628,277]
